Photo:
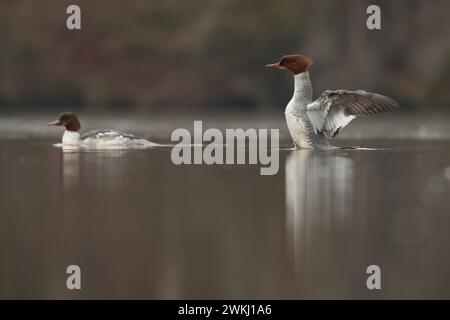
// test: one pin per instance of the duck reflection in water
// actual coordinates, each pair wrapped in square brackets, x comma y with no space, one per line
[71,169]
[319,194]
[103,170]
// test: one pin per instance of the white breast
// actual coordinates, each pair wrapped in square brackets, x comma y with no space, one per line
[296,128]
[71,138]
[296,106]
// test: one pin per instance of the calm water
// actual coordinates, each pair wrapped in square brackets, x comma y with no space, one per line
[141,227]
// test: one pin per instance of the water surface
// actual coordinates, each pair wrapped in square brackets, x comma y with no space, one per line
[141,227]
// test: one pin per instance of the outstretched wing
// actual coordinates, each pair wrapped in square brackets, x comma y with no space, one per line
[333,110]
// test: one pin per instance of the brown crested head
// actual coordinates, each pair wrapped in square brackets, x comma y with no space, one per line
[293,62]
[68,120]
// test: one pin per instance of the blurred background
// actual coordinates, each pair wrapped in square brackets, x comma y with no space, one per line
[141,227]
[167,56]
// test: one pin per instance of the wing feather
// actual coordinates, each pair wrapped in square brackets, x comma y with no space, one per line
[333,110]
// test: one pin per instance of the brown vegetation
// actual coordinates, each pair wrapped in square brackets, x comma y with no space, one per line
[211,53]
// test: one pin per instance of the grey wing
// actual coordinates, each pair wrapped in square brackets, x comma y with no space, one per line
[107,134]
[333,110]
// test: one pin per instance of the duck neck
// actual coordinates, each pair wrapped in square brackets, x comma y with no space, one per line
[71,138]
[302,90]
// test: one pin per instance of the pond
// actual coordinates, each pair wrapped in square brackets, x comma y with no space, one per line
[141,227]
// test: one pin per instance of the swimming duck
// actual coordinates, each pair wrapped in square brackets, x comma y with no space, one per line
[96,139]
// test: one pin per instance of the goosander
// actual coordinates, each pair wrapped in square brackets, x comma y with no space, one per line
[310,122]
[96,139]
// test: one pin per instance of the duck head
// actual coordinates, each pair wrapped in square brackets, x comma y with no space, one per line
[296,63]
[68,120]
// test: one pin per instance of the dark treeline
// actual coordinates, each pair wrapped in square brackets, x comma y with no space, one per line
[211,53]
